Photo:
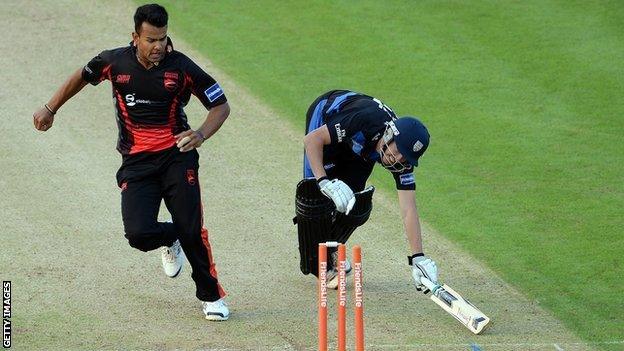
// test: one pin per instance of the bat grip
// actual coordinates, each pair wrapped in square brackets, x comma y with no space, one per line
[429,284]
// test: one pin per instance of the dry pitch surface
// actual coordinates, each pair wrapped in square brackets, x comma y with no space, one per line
[78,285]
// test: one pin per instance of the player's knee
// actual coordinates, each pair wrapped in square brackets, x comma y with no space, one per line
[139,241]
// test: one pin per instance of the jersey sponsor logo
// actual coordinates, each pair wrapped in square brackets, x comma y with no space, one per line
[214,92]
[130,100]
[407,179]
[340,133]
[417,146]
[122,78]
[171,81]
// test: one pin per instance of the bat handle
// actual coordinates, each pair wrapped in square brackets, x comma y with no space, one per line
[429,284]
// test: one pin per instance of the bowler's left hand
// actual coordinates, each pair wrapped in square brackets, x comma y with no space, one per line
[189,140]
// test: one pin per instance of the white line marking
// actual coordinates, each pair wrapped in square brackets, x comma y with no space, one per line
[558,347]
[485,346]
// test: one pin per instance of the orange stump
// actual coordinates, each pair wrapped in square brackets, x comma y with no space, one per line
[342,298]
[322,297]
[358,298]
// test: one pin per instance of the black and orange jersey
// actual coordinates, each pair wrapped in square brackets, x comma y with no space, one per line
[150,102]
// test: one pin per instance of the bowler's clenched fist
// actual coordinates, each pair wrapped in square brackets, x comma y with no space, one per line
[43,119]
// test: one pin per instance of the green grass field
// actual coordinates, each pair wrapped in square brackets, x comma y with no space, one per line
[523,101]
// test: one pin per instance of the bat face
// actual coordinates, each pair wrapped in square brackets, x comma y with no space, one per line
[460,308]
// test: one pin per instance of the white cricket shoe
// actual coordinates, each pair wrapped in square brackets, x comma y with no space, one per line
[332,274]
[216,311]
[172,259]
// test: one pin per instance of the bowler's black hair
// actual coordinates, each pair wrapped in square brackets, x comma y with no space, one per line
[153,14]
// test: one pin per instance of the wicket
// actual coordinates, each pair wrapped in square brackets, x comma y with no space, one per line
[342,296]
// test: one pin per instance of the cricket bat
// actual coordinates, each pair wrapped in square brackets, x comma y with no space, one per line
[458,307]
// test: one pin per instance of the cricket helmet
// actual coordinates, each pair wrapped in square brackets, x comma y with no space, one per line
[411,137]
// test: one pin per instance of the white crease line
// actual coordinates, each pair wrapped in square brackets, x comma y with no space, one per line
[558,347]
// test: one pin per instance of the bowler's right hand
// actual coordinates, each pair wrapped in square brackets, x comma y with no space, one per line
[43,119]
[339,193]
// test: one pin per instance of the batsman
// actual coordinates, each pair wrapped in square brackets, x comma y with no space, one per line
[347,133]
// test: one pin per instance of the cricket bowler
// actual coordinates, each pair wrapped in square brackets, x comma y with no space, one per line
[151,83]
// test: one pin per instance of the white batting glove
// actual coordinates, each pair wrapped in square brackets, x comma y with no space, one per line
[339,193]
[423,266]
